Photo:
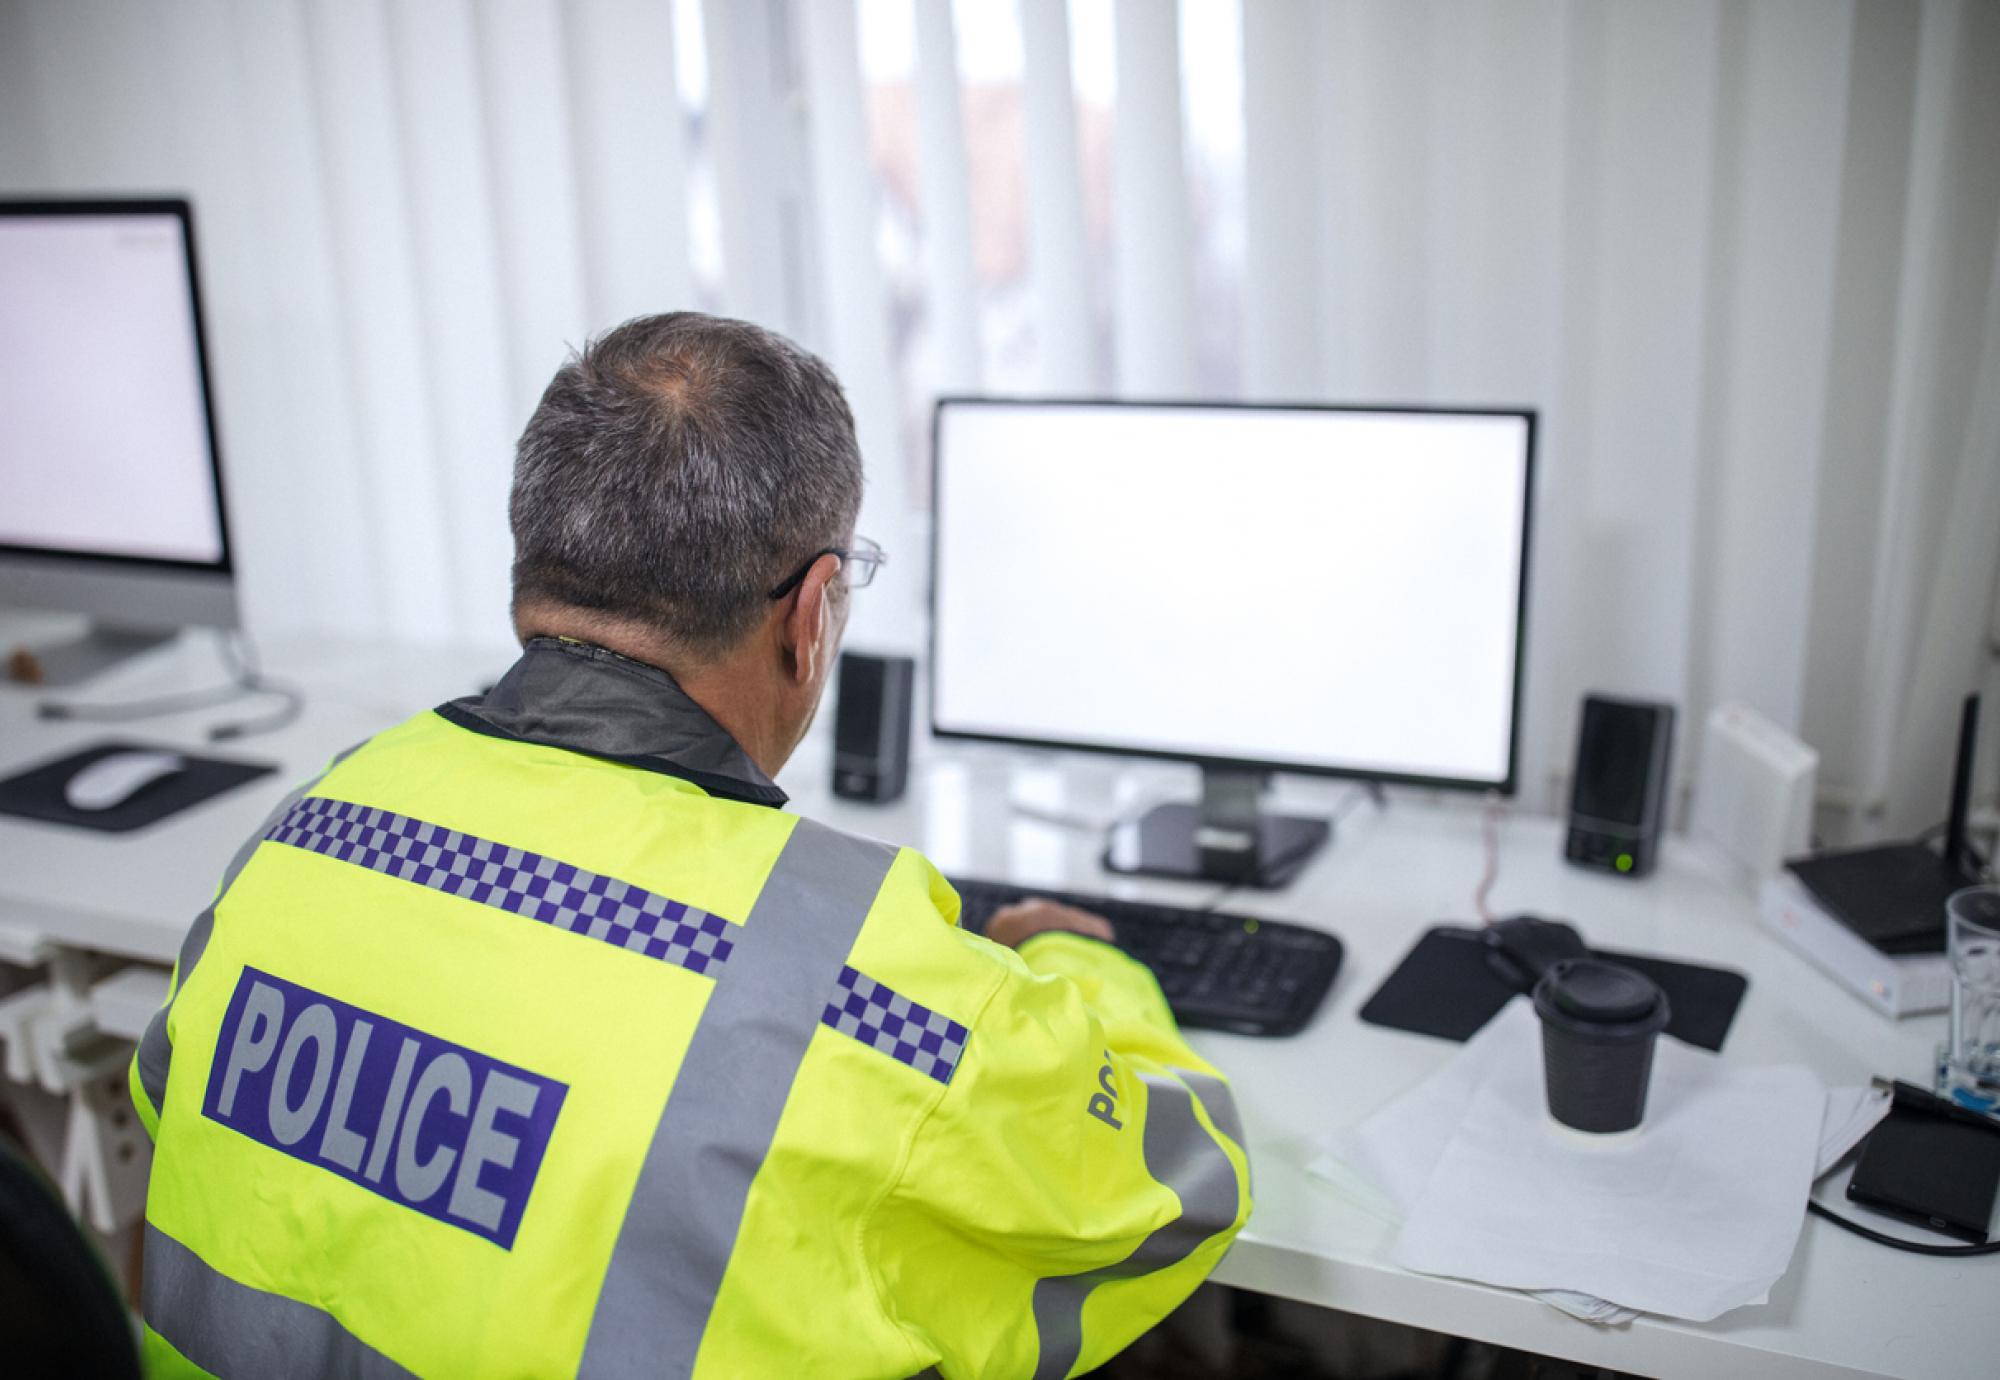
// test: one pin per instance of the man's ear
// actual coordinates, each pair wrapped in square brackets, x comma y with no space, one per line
[805,625]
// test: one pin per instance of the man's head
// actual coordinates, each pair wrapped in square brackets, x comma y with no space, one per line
[677,471]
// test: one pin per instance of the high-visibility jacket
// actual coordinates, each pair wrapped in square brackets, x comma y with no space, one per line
[533,1039]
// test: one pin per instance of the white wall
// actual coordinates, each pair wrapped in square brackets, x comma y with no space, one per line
[1741,255]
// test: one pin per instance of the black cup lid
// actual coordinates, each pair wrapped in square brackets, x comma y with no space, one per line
[1588,989]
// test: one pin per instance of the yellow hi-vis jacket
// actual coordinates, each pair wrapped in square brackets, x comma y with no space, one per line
[532,1039]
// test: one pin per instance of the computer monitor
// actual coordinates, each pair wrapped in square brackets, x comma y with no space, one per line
[110,484]
[1338,591]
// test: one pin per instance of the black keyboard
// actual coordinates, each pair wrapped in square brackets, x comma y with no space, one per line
[1219,972]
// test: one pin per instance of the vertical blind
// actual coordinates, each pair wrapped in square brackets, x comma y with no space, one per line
[1742,256]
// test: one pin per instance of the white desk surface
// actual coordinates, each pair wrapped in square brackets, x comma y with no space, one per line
[1845,1307]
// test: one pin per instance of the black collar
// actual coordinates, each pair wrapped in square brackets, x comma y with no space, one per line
[587,699]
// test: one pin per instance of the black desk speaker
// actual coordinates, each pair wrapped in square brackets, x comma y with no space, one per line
[871,726]
[1618,795]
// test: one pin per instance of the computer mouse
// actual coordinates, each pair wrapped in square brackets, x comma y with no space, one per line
[1523,947]
[113,779]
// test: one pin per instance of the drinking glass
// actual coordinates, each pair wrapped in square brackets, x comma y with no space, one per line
[1969,1062]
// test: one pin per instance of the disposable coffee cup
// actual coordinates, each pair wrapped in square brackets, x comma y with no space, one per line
[1599,1022]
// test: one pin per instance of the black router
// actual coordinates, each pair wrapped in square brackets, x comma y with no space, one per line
[1893,896]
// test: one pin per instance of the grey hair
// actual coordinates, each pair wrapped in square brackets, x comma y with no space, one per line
[676,469]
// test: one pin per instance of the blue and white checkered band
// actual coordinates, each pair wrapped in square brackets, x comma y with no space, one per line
[511,879]
[928,1042]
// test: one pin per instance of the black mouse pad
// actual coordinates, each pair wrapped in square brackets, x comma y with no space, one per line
[37,793]
[1445,987]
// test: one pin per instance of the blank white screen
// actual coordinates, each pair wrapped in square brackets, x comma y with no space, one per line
[104,443]
[1325,589]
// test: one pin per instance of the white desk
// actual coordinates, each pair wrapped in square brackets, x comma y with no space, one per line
[1845,1307]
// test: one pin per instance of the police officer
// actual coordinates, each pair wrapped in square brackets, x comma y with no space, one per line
[534,1037]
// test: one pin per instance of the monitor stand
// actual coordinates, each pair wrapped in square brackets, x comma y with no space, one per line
[1226,838]
[102,646]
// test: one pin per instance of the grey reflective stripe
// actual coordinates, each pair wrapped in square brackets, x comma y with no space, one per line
[1181,1154]
[1218,1102]
[230,1329]
[687,1206]
[156,1050]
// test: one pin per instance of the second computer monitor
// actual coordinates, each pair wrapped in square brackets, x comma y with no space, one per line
[110,486]
[1312,589]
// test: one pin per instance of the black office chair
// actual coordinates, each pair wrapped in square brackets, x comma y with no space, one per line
[59,1311]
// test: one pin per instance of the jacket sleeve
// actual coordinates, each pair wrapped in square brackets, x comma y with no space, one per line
[1082,1173]
[142,1102]
[146,1075]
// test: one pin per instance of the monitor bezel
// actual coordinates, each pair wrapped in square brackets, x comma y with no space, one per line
[108,562]
[1506,787]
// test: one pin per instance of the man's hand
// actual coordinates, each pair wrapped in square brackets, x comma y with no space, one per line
[1012,924]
